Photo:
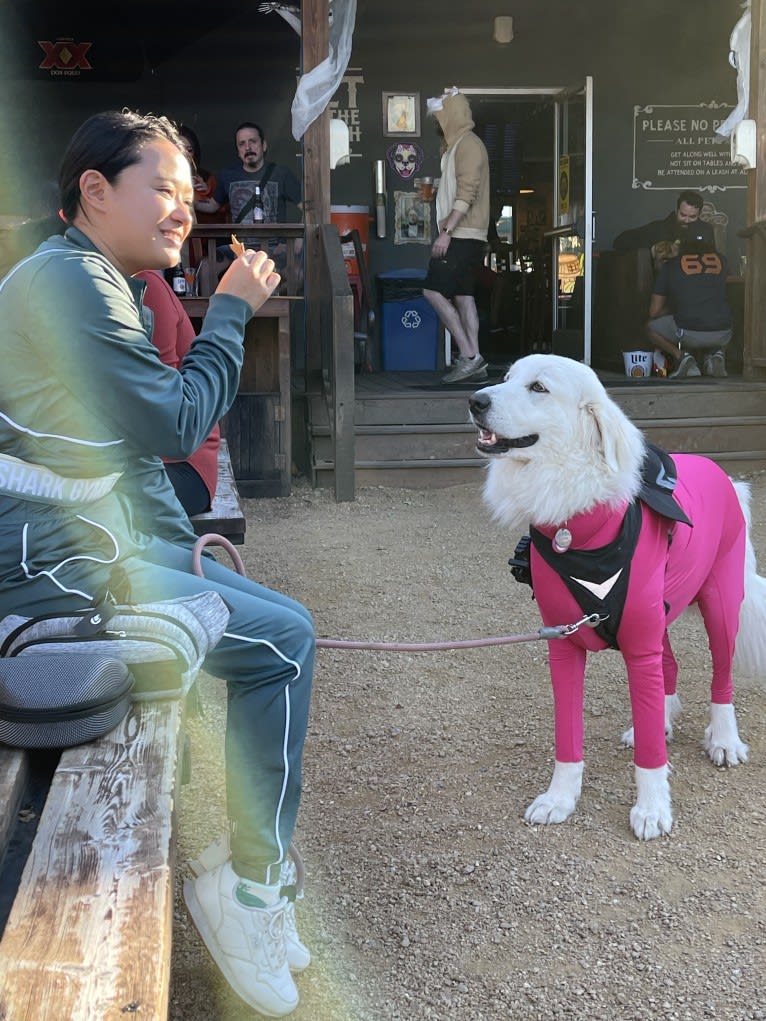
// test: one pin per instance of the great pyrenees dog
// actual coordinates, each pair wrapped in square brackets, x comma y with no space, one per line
[635,536]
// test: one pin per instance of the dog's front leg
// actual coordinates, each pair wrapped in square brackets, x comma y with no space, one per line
[559,801]
[651,815]
[722,741]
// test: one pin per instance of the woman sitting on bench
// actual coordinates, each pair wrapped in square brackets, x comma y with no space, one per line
[87,513]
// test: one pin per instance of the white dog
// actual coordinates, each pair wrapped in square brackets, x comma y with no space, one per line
[616,533]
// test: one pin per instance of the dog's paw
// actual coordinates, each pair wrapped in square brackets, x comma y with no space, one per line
[627,738]
[648,824]
[651,816]
[545,810]
[722,741]
[559,801]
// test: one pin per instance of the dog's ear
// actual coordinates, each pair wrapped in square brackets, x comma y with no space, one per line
[613,434]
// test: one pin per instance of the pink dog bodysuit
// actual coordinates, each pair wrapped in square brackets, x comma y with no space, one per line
[673,566]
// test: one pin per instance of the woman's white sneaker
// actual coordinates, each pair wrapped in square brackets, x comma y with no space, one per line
[247,943]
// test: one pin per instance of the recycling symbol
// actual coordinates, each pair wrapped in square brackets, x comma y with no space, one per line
[411,319]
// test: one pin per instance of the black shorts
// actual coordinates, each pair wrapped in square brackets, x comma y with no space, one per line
[456,272]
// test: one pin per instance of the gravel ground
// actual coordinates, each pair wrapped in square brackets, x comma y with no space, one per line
[427,894]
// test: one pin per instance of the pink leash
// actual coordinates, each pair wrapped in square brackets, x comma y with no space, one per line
[542,634]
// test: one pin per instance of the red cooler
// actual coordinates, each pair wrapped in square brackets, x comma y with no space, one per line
[346,219]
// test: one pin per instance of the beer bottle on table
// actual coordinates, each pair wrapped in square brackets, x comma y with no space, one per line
[178,281]
[259,214]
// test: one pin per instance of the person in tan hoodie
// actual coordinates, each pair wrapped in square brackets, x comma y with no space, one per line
[462,213]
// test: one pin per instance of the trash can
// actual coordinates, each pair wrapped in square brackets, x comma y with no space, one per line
[409,326]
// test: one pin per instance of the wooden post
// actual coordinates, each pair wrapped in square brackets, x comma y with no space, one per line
[316,176]
[755,278]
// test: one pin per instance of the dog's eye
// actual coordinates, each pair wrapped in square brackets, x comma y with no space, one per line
[537,387]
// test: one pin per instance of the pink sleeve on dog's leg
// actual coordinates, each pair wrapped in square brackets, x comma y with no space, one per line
[567,666]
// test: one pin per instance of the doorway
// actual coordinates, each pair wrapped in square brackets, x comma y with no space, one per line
[536,291]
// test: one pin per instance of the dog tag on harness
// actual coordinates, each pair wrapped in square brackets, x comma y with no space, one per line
[562,540]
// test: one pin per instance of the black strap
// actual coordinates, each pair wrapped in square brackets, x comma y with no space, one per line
[597,566]
[264,180]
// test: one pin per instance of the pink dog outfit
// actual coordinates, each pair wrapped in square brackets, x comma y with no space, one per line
[673,566]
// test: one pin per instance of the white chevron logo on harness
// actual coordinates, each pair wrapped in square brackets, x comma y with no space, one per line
[599,589]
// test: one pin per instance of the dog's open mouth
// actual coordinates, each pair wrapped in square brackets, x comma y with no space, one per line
[490,443]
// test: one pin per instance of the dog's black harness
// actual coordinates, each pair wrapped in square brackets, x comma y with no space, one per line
[598,578]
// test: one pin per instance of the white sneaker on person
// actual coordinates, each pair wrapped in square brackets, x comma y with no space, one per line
[467,368]
[247,943]
[686,367]
[298,954]
[715,365]
[219,852]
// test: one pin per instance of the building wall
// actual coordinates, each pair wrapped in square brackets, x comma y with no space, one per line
[245,68]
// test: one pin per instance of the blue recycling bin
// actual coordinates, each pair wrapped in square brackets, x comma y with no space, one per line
[409,332]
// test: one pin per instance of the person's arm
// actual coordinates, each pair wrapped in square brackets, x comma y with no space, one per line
[469,159]
[215,201]
[659,303]
[658,306]
[469,167]
[208,205]
[88,332]
[443,238]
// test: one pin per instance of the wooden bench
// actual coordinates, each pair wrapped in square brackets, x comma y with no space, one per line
[88,937]
[225,516]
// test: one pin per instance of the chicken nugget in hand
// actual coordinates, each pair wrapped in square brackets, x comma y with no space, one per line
[237,246]
[250,277]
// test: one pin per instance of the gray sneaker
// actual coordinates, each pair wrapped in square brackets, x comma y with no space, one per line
[686,367]
[467,368]
[715,365]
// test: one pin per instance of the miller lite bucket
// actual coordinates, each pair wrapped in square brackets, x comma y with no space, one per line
[638,364]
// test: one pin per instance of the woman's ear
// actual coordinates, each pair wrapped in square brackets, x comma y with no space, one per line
[93,188]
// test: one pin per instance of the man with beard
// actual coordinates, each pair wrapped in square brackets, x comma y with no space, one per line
[681,225]
[236,186]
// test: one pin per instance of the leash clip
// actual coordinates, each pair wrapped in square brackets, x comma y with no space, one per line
[591,620]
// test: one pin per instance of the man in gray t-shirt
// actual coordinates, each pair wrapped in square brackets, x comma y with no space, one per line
[236,187]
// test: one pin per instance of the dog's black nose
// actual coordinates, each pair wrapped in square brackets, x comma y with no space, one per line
[479,402]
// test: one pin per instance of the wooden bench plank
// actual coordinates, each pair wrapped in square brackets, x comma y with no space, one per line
[89,934]
[225,516]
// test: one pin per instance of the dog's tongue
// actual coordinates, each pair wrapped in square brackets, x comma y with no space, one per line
[487,437]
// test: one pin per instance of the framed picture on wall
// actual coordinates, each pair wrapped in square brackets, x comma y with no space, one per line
[412,219]
[401,113]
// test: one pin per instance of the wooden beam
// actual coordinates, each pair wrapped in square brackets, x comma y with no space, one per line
[755,280]
[316,174]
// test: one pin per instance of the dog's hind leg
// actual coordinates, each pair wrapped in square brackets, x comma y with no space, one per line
[719,602]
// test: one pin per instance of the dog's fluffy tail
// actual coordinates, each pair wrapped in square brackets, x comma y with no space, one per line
[750,653]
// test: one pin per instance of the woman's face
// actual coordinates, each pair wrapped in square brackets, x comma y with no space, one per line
[147,210]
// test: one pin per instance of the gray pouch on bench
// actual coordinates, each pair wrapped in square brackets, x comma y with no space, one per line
[163,643]
[61,701]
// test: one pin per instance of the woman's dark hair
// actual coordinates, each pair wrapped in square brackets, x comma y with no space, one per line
[108,142]
[191,137]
